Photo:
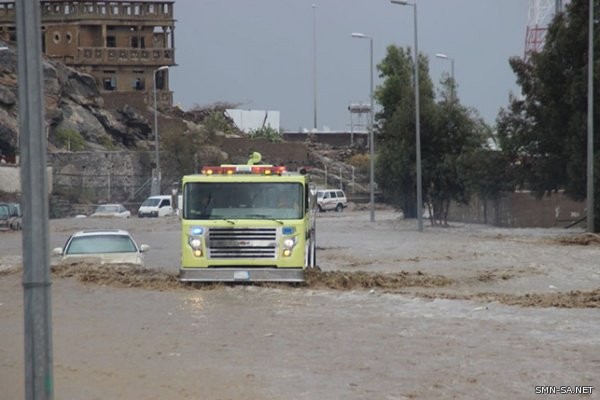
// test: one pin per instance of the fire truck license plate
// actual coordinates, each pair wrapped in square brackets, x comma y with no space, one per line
[241,275]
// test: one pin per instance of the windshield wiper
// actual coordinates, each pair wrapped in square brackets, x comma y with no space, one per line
[264,216]
[232,222]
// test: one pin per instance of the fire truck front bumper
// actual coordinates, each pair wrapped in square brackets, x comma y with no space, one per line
[241,275]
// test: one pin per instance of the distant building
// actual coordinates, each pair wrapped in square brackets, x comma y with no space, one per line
[247,120]
[120,43]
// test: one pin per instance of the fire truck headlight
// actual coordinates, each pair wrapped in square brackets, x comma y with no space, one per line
[196,245]
[288,245]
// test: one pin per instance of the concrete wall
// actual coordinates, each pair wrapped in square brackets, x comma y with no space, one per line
[520,210]
[291,155]
[117,176]
[10,178]
[335,139]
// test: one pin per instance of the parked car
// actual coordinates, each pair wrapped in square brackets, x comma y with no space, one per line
[111,210]
[16,217]
[104,246]
[331,199]
[156,206]
[4,217]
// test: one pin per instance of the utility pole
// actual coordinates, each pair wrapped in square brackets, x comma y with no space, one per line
[36,252]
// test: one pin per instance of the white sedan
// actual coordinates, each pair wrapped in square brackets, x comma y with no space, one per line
[111,210]
[101,246]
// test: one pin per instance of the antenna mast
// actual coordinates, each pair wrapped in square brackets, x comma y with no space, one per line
[539,16]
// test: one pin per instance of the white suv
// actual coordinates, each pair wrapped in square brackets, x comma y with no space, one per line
[331,199]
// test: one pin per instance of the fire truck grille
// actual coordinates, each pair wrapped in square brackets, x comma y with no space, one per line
[224,243]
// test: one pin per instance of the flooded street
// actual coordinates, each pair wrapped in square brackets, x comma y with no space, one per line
[466,312]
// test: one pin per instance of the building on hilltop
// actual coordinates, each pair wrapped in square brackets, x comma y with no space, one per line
[125,45]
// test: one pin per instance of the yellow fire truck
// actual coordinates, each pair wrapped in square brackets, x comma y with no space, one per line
[247,223]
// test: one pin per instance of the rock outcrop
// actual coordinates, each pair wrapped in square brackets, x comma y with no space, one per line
[74,109]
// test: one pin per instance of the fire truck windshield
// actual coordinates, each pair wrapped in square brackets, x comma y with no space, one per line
[242,200]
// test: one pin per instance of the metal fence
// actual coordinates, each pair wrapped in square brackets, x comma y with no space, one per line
[101,188]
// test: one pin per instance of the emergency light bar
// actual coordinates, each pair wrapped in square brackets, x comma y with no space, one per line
[244,169]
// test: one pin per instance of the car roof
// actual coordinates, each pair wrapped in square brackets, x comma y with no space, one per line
[110,204]
[95,232]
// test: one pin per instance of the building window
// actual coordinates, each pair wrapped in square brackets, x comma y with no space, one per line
[56,36]
[138,42]
[69,37]
[160,80]
[109,83]
[111,41]
[138,84]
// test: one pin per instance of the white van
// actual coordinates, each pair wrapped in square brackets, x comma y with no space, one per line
[331,199]
[156,206]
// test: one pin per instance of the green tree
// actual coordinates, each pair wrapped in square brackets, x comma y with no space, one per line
[395,133]
[544,133]
[448,132]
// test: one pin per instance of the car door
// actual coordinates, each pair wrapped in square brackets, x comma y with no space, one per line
[330,200]
[165,208]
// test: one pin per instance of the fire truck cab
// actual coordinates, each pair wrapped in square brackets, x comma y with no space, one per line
[247,223]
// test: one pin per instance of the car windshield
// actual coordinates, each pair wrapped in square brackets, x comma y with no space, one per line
[101,244]
[150,202]
[320,195]
[4,212]
[236,200]
[107,209]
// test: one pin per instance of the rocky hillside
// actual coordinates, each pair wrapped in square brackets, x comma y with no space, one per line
[75,113]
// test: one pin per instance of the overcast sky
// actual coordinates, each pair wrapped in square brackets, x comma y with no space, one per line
[259,53]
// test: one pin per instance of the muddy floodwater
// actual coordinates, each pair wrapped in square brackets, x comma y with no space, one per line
[464,312]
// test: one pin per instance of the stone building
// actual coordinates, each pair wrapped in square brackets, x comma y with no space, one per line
[127,46]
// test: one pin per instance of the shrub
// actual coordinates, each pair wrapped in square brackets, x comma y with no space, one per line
[70,138]
[360,162]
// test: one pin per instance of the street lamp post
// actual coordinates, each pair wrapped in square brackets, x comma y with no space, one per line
[155,188]
[446,57]
[417,117]
[590,122]
[314,7]
[371,136]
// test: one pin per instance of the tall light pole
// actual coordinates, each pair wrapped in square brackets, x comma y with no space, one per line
[155,188]
[417,118]
[446,57]
[590,122]
[371,138]
[314,7]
